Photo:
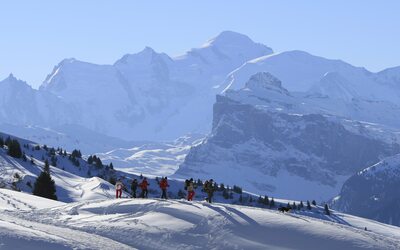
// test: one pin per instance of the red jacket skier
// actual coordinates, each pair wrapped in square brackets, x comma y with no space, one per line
[143,185]
[164,185]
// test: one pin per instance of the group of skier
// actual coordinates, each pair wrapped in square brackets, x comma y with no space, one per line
[190,187]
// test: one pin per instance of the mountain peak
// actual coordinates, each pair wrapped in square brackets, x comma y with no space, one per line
[235,40]
[265,80]
[228,37]
[11,77]
[147,54]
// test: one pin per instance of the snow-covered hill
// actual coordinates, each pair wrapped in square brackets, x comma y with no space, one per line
[373,192]
[29,222]
[288,144]
[156,158]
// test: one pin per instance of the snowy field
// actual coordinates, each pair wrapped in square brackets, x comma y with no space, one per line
[30,222]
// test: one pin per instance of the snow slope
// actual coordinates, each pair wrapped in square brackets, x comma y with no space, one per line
[157,158]
[73,182]
[156,224]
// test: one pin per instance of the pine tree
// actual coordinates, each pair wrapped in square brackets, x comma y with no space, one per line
[327,212]
[237,189]
[272,203]
[111,165]
[1,142]
[301,204]
[90,159]
[14,149]
[46,167]
[99,164]
[266,200]
[314,202]
[225,194]
[260,200]
[222,187]
[308,205]
[294,206]
[44,185]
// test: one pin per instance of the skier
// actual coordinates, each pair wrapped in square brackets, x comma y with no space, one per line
[209,188]
[163,186]
[134,187]
[118,189]
[143,185]
[190,189]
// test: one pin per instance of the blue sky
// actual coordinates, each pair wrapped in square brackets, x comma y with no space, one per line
[36,35]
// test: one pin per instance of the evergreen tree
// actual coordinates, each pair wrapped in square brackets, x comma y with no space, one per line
[46,167]
[308,205]
[53,160]
[294,206]
[225,194]
[45,147]
[14,149]
[222,187]
[44,185]
[8,141]
[76,153]
[260,200]
[199,183]
[272,203]
[90,159]
[327,212]
[99,164]
[237,189]
[301,204]
[1,142]
[266,200]
[111,165]
[314,202]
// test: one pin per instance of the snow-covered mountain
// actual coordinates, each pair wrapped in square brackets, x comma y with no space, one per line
[149,95]
[152,96]
[287,144]
[301,71]
[373,192]
[29,222]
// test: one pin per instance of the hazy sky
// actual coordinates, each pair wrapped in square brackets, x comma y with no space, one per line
[36,35]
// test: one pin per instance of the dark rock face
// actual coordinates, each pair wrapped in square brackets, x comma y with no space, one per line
[373,193]
[309,146]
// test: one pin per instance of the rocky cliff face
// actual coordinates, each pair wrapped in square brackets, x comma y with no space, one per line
[280,152]
[373,192]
